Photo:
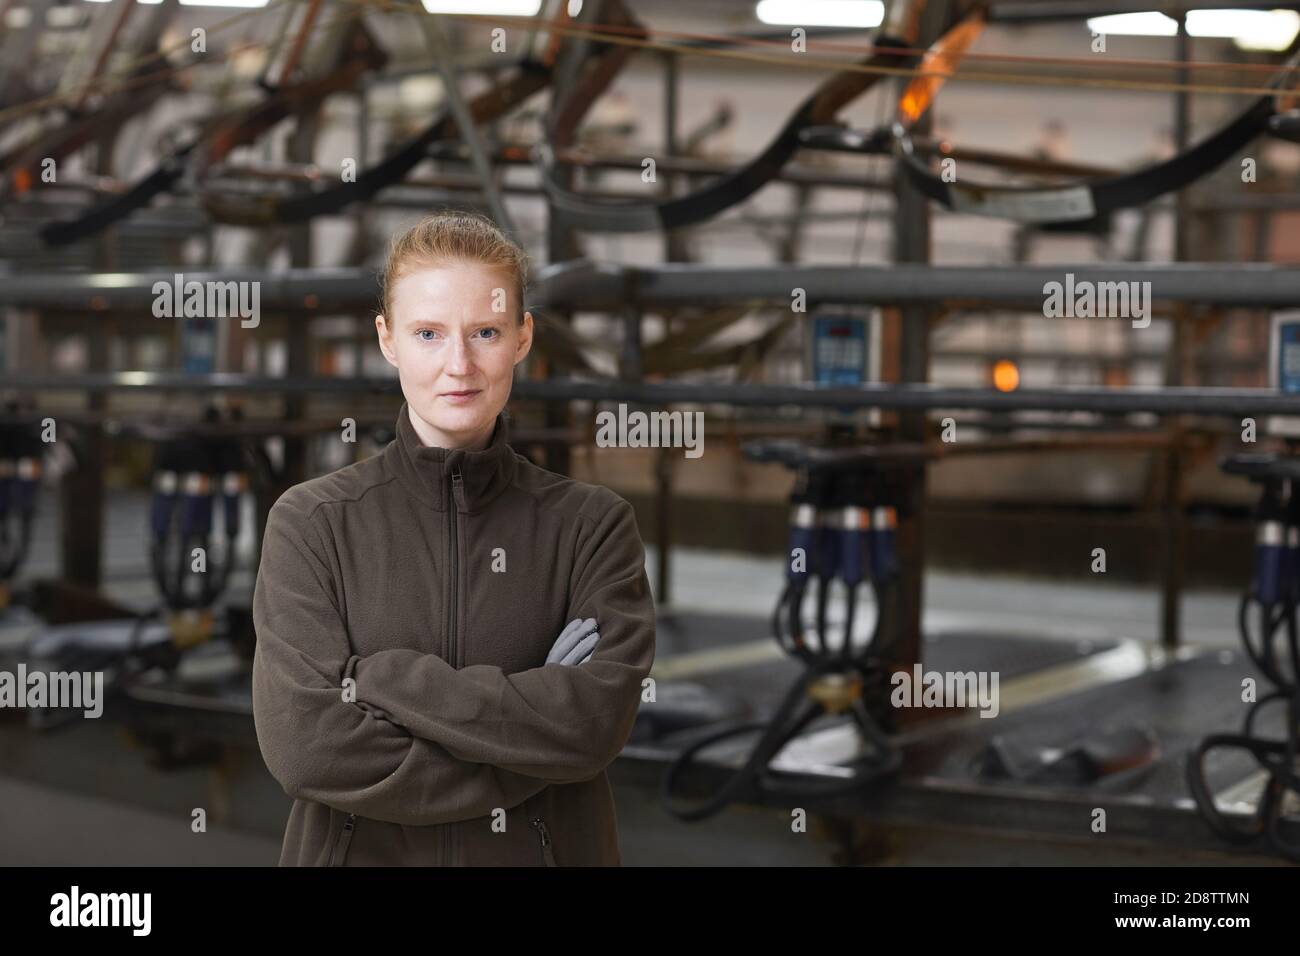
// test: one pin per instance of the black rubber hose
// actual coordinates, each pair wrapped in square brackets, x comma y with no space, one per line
[823,595]
[796,616]
[754,777]
[741,783]
[850,604]
[778,615]
[1285,782]
[1227,829]
[1259,656]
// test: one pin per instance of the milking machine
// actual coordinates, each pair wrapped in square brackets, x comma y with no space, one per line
[192,477]
[844,512]
[1267,622]
[21,454]
[196,478]
[21,466]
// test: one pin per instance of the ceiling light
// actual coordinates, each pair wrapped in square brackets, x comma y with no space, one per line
[821,13]
[1251,29]
[487,8]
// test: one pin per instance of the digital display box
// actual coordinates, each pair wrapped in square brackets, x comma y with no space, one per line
[844,351]
[1284,369]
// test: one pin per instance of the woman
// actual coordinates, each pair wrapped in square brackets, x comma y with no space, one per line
[451,641]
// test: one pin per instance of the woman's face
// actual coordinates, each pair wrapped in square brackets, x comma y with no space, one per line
[454,352]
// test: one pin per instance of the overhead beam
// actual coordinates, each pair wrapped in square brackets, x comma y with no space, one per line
[596,286]
[1229,402]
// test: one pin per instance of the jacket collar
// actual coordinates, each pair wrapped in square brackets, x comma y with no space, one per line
[428,471]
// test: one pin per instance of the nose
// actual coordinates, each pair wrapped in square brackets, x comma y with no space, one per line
[458,362]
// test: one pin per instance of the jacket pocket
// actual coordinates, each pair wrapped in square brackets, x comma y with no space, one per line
[544,836]
[339,854]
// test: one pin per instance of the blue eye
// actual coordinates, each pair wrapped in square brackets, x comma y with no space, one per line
[426,335]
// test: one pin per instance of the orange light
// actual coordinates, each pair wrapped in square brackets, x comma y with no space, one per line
[1006,377]
[939,63]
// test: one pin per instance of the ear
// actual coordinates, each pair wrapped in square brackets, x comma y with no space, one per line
[525,338]
[385,340]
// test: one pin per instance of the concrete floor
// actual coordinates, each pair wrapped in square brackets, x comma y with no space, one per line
[48,826]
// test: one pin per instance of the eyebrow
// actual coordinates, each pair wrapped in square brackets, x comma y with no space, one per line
[497,320]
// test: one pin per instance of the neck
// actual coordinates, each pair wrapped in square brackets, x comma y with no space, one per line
[436,438]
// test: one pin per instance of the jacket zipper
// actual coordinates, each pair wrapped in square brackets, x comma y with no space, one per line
[456,496]
[540,826]
[345,838]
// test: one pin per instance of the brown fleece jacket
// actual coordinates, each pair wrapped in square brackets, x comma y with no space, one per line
[404,609]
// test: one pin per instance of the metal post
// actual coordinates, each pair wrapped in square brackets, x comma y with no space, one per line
[83,492]
[1174,550]
[561,242]
[441,49]
[301,149]
[674,251]
[912,245]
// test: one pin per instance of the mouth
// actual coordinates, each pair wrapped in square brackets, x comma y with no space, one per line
[465,394]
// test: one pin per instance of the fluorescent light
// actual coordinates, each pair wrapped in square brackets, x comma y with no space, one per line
[1150,24]
[1251,29]
[498,8]
[223,3]
[821,13]
[575,8]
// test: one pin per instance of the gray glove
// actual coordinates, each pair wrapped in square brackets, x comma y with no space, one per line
[575,644]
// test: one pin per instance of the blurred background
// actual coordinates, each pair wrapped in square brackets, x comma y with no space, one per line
[789,217]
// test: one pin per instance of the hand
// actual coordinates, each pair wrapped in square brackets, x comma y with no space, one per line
[576,643]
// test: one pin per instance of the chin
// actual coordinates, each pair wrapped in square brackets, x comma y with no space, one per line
[458,419]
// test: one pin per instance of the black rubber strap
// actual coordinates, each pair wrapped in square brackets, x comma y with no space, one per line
[530,79]
[102,215]
[1092,199]
[595,215]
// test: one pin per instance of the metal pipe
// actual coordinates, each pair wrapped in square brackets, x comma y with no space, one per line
[1173,539]
[1230,402]
[583,284]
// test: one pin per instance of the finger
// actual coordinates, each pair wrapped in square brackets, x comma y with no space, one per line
[585,647]
[568,639]
[582,651]
[556,649]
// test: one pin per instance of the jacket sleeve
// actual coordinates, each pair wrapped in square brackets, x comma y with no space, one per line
[560,722]
[319,744]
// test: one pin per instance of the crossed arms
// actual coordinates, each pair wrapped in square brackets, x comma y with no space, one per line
[422,742]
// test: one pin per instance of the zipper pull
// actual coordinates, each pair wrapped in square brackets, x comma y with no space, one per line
[458,486]
[547,853]
[350,822]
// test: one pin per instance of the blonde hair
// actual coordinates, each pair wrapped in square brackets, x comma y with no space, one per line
[453,237]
